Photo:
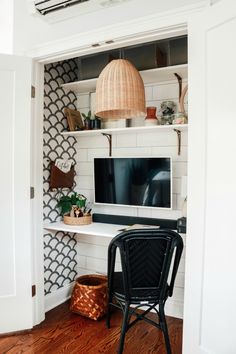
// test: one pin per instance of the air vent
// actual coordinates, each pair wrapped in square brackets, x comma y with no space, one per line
[44,7]
[59,10]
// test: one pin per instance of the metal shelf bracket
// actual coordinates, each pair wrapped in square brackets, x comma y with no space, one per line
[109,138]
[178,132]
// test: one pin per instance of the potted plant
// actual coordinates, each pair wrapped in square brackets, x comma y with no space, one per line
[74,209]
[67,202]
[87,120]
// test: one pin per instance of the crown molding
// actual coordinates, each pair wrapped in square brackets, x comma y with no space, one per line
[147,28]
[69,12]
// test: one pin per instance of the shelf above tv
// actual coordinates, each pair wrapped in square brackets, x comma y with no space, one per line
[181,127]
[178,128]
[150,76]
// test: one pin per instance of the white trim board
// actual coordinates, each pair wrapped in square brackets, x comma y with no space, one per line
[173,308]
[138,31]
[58,296]
[147,28]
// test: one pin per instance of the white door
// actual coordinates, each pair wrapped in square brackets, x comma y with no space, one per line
[210,288]
[15,237]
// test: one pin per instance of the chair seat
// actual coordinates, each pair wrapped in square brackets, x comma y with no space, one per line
[137,295]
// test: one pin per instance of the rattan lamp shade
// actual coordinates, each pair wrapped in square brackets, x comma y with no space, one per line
[120,91]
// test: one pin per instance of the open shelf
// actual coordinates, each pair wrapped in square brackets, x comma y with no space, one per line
[181,127]
[164,74]
[93,229]
[178,129]
[150,76]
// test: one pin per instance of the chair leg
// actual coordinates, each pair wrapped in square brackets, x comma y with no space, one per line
[123,329]
[164,328]
[108,316]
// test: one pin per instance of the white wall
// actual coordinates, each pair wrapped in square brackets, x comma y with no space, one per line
[6,26]
[92,251]
[32,31]
[210,311]
[135,144]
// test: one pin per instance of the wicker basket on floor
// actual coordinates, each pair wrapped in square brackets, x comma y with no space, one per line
[89,296]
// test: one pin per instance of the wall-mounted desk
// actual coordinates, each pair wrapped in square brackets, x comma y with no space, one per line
[92,244]
[93,229]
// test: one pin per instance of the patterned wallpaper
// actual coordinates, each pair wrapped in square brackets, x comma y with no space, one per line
[59,248]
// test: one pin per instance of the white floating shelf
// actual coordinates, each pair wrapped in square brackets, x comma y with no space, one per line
[150,76]
[164,74]
[83,86]
[77,133]
[93,229]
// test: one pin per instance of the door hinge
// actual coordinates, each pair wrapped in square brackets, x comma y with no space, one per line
[31,192]
[32,91]
[33,289]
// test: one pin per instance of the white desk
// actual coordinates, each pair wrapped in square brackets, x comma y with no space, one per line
[93,229]
[92,243]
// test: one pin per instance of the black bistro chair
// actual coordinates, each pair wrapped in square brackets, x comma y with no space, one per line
[149,259]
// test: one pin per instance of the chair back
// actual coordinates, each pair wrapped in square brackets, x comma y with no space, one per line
[150,259]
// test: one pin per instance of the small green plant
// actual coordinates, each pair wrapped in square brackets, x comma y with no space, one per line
[67,201]
[88,115]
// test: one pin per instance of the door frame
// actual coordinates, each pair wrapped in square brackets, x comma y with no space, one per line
[198,223]
[37,184]
[169,24]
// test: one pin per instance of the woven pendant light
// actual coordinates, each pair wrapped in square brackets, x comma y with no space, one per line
[120,91]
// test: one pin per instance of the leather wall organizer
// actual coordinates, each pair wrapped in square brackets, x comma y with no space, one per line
[60,179]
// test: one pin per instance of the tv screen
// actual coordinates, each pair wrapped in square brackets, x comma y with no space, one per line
[134,181]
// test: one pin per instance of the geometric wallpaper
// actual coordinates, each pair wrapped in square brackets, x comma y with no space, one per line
[59,247]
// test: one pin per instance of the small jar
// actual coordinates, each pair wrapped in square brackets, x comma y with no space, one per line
[97,123]
[92,123]
[180,118]
[87,123]
[167,119]
[151,118]
[72,212]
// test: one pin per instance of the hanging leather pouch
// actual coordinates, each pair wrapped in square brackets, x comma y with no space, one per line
[60,179]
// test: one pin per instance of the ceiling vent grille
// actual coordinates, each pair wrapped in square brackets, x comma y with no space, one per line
[45,7]
[59,10]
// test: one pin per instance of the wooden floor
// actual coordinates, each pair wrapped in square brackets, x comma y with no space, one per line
[68,333]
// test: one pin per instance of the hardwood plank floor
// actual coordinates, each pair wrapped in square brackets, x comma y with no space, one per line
[64,332]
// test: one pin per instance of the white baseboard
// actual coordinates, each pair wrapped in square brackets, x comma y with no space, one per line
[172,308]
[58,297]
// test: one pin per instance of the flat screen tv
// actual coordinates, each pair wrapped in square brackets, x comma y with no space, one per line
[133,181]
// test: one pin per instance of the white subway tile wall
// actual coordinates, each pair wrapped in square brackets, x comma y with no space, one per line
[135,144]
[92,250]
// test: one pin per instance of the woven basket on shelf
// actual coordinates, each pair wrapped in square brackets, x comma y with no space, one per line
[89,296]
[82,220]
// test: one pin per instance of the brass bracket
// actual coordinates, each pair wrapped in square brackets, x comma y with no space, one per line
[179,78]
[178,132]
[33,290]
[32,91]
[109,138]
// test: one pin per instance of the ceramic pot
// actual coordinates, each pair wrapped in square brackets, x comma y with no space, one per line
[151,118]
[87,124]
